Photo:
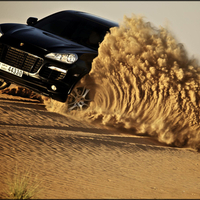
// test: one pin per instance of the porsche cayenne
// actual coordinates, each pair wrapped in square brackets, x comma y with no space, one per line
[51,55]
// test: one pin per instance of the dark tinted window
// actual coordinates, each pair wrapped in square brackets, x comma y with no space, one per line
[77,29]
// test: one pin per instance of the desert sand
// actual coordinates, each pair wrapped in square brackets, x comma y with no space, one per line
[139,138]
[74,159]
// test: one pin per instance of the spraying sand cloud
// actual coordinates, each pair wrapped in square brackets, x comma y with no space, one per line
[144,81]
[23,92]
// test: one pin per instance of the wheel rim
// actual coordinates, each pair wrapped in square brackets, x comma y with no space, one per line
[78,99]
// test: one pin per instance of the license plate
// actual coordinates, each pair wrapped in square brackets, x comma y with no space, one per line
[10,69]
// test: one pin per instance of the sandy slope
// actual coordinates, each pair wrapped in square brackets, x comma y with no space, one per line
[74,159]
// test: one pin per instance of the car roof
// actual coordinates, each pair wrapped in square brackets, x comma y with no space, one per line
[92,17]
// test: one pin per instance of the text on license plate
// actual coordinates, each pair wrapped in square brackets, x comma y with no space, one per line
[10,69]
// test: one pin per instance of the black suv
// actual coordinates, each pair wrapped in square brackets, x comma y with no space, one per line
[51,55]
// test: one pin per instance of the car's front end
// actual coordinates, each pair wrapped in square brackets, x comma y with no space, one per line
[51,69]
[51,55]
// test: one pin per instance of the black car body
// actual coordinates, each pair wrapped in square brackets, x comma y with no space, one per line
[51,55]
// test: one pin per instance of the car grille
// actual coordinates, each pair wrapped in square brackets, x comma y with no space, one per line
[20,59]
[51,74]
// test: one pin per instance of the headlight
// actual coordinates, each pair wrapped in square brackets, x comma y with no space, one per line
[63,57]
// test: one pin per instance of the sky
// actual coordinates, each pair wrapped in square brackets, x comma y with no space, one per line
[182,18]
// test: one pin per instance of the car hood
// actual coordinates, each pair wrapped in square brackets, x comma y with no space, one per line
[33,36]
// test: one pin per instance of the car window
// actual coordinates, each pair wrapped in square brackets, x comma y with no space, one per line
[89,34]
[58,25]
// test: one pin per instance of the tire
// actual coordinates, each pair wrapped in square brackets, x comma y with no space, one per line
[3,84]
[78,99]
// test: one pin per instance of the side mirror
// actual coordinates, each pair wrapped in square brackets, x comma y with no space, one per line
[31,21]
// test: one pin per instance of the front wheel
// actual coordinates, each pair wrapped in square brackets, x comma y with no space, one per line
[78,99]
[3,84]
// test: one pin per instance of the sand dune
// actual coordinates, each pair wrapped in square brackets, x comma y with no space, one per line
[77,159]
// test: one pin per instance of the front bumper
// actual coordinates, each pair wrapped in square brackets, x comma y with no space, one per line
[40,86]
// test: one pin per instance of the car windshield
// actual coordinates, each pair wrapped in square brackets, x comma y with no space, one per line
[75,28]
